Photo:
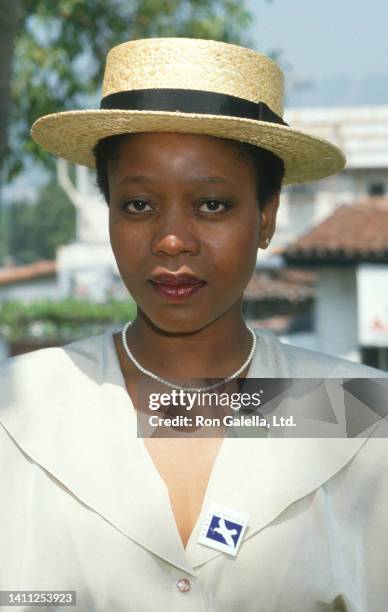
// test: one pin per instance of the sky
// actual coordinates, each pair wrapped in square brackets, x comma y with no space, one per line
[337,47]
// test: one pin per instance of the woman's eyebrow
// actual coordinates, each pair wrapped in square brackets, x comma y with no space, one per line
[142,178]
[210,179]
[138,178]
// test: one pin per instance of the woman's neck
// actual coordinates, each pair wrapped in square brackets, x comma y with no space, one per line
[215,351]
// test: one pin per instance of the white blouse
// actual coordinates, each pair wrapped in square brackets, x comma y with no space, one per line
[83,507]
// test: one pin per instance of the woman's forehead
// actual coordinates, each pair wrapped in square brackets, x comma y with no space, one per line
[183,140]
[174,147]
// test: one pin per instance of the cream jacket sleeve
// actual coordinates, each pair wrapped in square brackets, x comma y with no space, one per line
[83,507]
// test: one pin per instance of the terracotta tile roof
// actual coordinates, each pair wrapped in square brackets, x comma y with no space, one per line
[286,284]
[17,274]
[355,232]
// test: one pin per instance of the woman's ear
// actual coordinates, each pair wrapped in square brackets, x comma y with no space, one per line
[268,221]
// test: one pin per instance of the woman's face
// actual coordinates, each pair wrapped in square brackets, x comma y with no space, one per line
[183,204]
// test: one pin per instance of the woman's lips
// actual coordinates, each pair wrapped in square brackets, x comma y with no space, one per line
[175,292]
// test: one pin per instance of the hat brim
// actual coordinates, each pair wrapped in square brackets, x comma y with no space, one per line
[73,135]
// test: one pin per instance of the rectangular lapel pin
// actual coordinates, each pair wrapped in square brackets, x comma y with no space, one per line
[223,529]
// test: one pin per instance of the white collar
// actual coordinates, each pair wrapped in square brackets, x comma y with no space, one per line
[68,411]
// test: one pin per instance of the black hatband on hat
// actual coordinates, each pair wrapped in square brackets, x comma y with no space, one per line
[190,101]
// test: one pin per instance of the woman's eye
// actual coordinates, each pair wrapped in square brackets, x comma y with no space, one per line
[213,206]
[137,206]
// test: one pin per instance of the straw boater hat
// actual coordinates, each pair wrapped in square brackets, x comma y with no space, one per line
[192,86]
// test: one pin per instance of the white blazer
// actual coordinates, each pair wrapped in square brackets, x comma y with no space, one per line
[83,507]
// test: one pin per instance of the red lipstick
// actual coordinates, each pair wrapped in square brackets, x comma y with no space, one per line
[176,287]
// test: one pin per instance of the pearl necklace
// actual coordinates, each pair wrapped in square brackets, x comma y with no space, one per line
[179,388]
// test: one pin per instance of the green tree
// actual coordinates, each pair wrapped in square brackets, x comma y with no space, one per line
[64,320]
[10,14]
[36,230]
[61,46]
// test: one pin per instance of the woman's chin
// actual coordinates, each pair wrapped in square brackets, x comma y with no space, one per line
[177,325]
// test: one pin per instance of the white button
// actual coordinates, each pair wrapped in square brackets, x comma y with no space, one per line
[183,585]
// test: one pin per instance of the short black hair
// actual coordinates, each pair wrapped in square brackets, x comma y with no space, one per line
[269,167]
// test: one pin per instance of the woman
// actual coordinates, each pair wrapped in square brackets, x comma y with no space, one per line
[191,151]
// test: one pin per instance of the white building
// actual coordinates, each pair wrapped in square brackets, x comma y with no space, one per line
[87,268]
[29,282]
[349,253]
[362,132]
[342,311]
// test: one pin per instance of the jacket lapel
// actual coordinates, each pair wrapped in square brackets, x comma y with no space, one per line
[81,429]
[262,477]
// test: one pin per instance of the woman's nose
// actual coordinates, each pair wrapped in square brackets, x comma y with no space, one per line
[174,235]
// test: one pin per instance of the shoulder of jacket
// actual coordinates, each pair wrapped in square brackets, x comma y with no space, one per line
[315,363]
[37,366]
[301,362]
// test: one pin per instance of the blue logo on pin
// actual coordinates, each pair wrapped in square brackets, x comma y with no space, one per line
[224,531]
